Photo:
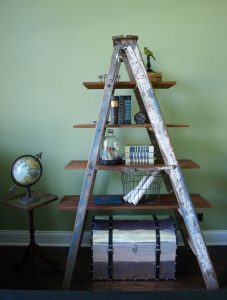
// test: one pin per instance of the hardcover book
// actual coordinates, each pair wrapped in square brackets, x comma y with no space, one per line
[139,148]
[107,199]
[139,155]
[114,105]
[124,110]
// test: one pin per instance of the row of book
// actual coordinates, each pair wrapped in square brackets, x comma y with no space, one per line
[139,155]
[121,109]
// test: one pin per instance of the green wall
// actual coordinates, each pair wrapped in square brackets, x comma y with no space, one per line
[49,47]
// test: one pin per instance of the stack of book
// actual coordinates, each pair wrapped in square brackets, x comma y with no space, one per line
[121,109]
[154,76]
[139,155]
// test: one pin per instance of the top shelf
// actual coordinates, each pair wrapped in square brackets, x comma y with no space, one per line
[129,85]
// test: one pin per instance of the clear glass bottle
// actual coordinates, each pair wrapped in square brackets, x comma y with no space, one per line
[110,150]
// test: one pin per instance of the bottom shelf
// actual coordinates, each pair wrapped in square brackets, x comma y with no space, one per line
[166,201]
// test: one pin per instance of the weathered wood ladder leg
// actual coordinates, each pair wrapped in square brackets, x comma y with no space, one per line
[175,174]
[90,172]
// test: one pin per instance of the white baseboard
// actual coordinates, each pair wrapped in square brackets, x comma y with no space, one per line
[63,238]
[43,238]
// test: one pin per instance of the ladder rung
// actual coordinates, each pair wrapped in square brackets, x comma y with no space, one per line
[166,201]
[82,164]
[129,85]
[147,126]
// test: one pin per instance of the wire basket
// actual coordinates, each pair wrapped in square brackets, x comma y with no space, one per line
[141,187]
[103,77]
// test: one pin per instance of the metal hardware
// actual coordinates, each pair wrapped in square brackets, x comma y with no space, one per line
[134,248]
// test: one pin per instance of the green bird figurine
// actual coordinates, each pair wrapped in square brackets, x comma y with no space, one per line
[148,52]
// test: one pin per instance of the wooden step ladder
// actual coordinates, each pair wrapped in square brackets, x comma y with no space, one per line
[126,50]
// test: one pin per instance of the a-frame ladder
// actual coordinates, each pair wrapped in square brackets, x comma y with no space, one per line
[126,49]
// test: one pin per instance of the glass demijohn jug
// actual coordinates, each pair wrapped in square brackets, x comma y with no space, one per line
[110,150]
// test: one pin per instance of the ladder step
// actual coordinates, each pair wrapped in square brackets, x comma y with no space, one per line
[82,164]
[166,201]
[129,85]
[148,126]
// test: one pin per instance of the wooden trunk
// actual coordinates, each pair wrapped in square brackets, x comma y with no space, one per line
[133,247]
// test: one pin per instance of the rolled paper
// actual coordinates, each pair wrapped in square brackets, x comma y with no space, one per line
[128,197]
[137,193]
[142,191]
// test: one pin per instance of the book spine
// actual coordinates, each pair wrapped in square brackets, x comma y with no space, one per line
[124,111]
[114,105]
[112,199]
[127,109]
[133,161]
[139,148]
[139,158]
[139,154]
[121,110]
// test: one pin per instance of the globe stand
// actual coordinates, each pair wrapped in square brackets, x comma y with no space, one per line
[29,198]
[26,171]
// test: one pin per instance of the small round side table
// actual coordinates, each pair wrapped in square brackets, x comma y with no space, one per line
[32,248]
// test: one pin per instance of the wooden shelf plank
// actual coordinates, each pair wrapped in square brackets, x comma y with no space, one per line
[129,85]
[166,201]
[127,126]
[82,164]
[76,165]
[43,199]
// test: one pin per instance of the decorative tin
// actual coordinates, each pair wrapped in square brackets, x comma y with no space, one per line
[133,247]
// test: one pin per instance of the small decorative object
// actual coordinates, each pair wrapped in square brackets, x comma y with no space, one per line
[155,76]
[110,151]
[26,171]
[103,77]
[95,122]
[139,118]
[149,54]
